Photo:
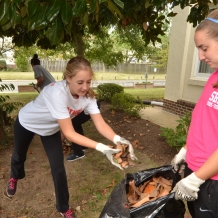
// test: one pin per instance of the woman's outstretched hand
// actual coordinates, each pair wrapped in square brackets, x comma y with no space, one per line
[118,139]
[106,150]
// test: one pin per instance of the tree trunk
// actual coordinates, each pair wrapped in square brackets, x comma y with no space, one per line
[2,134]
[79,45]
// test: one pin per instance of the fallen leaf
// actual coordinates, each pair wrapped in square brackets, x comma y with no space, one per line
[135,143]
[104,191]
[108,186]
[77,208]
[84,201]
[113,182]
[140,147]
[113,112]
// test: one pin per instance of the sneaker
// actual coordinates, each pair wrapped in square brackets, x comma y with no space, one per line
[74,157]
[12,187]
[68,214]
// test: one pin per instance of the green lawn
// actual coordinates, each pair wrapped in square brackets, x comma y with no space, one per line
[144,94]
[98,76]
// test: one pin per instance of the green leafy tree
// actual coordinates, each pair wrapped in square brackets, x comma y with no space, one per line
[52,22]
[22,63]
[6,107]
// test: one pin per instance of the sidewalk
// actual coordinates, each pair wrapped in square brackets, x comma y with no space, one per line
[157,115]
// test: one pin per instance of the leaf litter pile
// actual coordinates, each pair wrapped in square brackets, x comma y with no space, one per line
[150,190]
[143,135]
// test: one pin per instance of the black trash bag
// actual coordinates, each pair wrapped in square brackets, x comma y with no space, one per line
[163,207]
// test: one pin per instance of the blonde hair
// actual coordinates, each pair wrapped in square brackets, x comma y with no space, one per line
[211,29]
[75,65]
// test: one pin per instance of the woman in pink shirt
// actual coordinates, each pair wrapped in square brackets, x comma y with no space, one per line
[200,185]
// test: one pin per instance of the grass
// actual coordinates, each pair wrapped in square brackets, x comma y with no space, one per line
[144,94]
[98,76]
[147,94]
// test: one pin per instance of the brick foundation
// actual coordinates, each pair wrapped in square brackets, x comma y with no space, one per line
[180,107]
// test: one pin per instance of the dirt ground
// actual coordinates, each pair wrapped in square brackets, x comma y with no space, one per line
[35,194]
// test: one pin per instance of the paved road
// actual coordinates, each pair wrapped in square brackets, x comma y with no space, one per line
[126,83]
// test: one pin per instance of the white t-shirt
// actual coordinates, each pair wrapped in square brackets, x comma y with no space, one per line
[54,102]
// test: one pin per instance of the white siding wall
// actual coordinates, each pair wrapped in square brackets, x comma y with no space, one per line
[181,83]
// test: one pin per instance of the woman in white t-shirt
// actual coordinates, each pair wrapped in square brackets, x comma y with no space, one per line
[51,112]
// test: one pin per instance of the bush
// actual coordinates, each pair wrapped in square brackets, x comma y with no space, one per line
[107,90]
[22,64]
[3,65]
[6,107]
[177,137]
[127,103]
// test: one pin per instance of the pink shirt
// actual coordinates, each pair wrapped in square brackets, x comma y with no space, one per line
[202,138]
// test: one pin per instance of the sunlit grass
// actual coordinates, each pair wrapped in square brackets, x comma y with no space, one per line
[146,94]
[98,76]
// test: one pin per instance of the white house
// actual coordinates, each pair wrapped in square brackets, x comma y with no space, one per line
[186,75]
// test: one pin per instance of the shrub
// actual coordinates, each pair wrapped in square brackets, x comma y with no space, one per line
[6,107]
[177,137]
[107,90]
[127,103]
[3,65]
[22,64]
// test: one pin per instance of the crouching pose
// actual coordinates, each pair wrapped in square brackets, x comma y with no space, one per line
[51,112]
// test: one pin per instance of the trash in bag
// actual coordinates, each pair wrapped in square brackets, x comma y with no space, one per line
[165,206]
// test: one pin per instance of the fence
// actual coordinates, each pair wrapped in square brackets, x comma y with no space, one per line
[59,66]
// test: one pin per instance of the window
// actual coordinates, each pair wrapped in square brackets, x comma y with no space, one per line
[202,70]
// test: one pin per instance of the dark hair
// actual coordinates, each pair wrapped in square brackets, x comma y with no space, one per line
[35,60]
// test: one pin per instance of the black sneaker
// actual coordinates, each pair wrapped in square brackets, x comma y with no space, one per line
[74,157]
[68,214]
[12,187]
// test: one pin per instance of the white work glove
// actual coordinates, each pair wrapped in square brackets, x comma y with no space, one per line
[118,139]
[187,188]
[178,159]
[109,153]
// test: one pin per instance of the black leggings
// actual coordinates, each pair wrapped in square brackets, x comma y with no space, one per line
[77,125]
[53,147]
[206,206]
